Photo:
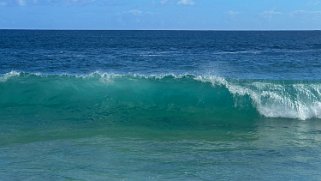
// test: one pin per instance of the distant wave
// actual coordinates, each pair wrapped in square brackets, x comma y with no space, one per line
[267,51]
[197,95]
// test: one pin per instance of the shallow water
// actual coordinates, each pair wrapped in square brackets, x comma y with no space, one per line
[266,150]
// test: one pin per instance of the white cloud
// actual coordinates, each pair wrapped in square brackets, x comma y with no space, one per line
[304,12]
[269,14]
[179,2]
[3,3]
[307,13]
[163,1]
[185,2]
[232,13]
[314,2]
[81,1]
[135,12]
[21,2]
[32,2]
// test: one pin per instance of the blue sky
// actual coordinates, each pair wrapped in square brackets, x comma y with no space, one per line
[161,14]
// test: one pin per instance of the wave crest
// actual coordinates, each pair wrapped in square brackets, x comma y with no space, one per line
[283,100]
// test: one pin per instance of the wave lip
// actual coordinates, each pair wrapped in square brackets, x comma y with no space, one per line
[277,100]
[9,75]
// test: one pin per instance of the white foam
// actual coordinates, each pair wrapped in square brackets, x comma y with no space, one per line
[276,100]
[9,75]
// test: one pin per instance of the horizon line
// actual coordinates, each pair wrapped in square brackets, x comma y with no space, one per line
[47,29]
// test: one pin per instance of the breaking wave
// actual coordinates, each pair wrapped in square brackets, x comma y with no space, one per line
[134,96]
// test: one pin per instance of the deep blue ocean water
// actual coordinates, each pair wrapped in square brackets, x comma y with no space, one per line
[160,105]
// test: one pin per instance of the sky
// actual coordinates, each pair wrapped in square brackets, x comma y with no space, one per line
[161,14]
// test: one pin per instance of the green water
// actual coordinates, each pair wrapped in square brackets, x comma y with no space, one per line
[121,127]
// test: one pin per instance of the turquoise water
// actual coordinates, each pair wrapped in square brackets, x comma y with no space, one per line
[137,127]
[271,150]
[160,105]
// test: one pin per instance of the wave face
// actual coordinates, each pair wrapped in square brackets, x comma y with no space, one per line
[146,99]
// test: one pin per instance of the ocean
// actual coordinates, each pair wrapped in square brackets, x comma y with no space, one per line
[160,105]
